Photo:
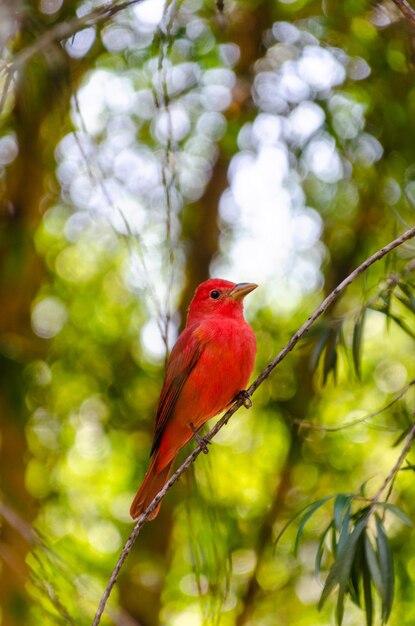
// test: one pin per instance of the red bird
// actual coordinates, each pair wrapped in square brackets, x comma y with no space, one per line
[210,363]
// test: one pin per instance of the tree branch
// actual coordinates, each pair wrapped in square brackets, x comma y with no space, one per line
[409,234]
[406,9]
[395,469]
[64,30]
[359,420]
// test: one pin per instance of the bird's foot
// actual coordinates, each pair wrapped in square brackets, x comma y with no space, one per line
[203,443]
[245,397]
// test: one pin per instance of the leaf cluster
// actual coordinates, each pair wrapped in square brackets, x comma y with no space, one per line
[402,290]
[356,542]
[394,301]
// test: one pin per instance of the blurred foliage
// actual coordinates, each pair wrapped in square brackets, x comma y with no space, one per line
[271,142]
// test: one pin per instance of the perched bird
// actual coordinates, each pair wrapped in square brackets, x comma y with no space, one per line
[210,363]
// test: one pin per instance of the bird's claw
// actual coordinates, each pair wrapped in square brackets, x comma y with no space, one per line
[245,397]
[202,442]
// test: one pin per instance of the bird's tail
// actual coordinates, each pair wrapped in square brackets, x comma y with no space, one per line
[151,485]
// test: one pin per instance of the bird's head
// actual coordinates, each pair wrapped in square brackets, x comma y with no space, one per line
[218,297]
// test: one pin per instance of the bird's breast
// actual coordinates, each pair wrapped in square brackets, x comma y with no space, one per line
[223,369]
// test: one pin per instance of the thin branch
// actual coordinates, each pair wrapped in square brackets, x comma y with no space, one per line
[46,588]
[14,520]
[135,251]
[167,167]
[359,420]
[409,234]
[65,30]
[60,32]
[395,469]
[406,9]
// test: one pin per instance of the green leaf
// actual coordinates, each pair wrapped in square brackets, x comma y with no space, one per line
[363,487]
[312,508]
[333,539]
[373,565]
[407,303]
[341,502]
[385,308]
[396,511]
[401,437]
[340,605]
[330,355]
[367,589]
[386,568]
[409,294]
[344,528]
[320,549]
[401,324]
[355,574]
[339,573]
[319,347]
[357,341]
[407,287]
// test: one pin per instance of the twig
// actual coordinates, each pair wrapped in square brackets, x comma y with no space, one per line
[167,169]
[60,32]
[135,251]
[45,586]
[409,234]
[64,30]
[359,420]
[395,469]
[406,9]
[14,520]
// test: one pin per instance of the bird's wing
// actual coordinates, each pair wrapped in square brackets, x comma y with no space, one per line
[184,356]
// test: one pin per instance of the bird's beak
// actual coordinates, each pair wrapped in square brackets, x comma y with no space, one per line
[241,290]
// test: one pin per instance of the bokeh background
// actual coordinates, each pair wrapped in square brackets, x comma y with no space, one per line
[153,146]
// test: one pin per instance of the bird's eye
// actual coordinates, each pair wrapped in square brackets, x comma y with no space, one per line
[215,294]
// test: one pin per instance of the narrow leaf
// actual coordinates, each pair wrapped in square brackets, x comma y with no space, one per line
[319,347]
[409,294]
[340,570]
[373,565]
[357,341]
[396,511]
[367,590]
[320,549]
[340,606]
[297,515]
[344,530]
[330,356]
[386,568]
[407,303]
[333,539]
[401,437]
[385,308]
[401,324]
[355,574]
[341,502]
[311,510]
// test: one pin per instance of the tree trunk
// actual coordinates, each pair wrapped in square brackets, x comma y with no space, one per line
[40,104]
